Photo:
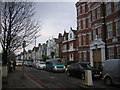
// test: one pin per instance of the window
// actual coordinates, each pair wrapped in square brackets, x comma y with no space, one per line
[84,23]
[99,32]
[85,56]
[98,12]
[93,16]
[90,38]
[118,27]
[70,35]
[64,38]
[71,57]
[89,21]
[78,11]
[108,8]
[80,56]
[118,52]
[83,9]
[84,40]
[116,6]
[64,48]
[94,34]
[80,41]
[88,7]
[109,28]
[71,45]
[79,25]
[111,53]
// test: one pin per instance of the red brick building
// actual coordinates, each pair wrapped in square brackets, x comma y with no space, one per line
[60,40]
[98,30]
[70,49]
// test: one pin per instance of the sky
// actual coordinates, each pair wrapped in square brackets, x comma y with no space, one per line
[54,17]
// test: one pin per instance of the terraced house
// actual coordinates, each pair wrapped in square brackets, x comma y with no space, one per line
[98,27]
[70,49]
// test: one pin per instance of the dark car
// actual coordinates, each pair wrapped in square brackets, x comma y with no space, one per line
[78,69]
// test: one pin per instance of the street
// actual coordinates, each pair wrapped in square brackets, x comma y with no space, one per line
[57,80]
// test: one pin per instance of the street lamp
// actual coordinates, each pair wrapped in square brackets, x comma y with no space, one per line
[24,45]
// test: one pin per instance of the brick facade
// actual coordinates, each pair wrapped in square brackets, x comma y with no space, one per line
[70,45]
[98,25]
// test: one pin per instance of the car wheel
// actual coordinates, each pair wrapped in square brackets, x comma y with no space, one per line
[108,81]
[83,76]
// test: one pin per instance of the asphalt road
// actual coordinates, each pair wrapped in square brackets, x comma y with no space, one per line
[57,80]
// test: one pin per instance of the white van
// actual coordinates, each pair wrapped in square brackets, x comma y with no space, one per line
[111,71]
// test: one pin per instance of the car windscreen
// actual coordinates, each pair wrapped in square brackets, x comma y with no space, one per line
[86,66]
[42,63]
[56,62]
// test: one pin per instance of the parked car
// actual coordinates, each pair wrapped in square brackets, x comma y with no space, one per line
[34,64]
[111,72]
[25,63]
[29,63]
[19,63]
[41,65]
[55,65]
[78,69]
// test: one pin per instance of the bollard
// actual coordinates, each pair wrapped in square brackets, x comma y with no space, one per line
[88,78]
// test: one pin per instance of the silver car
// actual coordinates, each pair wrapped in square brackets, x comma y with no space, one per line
[41,65]
[111,72]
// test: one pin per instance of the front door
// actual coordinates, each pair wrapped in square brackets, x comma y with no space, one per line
[97,57]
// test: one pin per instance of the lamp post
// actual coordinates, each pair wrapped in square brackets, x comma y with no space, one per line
[35,48]
[24,45]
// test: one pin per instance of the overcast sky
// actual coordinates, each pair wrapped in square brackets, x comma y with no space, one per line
[55,17]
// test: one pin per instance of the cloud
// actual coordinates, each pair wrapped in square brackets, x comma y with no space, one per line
[55,18]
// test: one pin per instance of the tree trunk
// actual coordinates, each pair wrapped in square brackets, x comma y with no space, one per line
[4,58]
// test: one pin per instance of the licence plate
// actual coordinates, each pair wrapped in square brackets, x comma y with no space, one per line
[97,75]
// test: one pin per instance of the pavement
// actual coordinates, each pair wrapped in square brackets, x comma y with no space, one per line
[15,80]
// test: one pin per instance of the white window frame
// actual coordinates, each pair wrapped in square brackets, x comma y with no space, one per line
[71,36]
[83,9]
[111,53]
[80,56]
[99,33]
[79,25]
[65,47]
[64,38]
[108,8]
[71,57]
[109,28]
[89,21]
[94,34]
[85,56]
[71,46]
[93,15]
[116,6]
[90,38]
[118,28]
[80,40]
[84,40]
[88,7]
[98,12]
[78,10]
[84,23]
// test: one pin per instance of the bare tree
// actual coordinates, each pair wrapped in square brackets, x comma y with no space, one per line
[17,25]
